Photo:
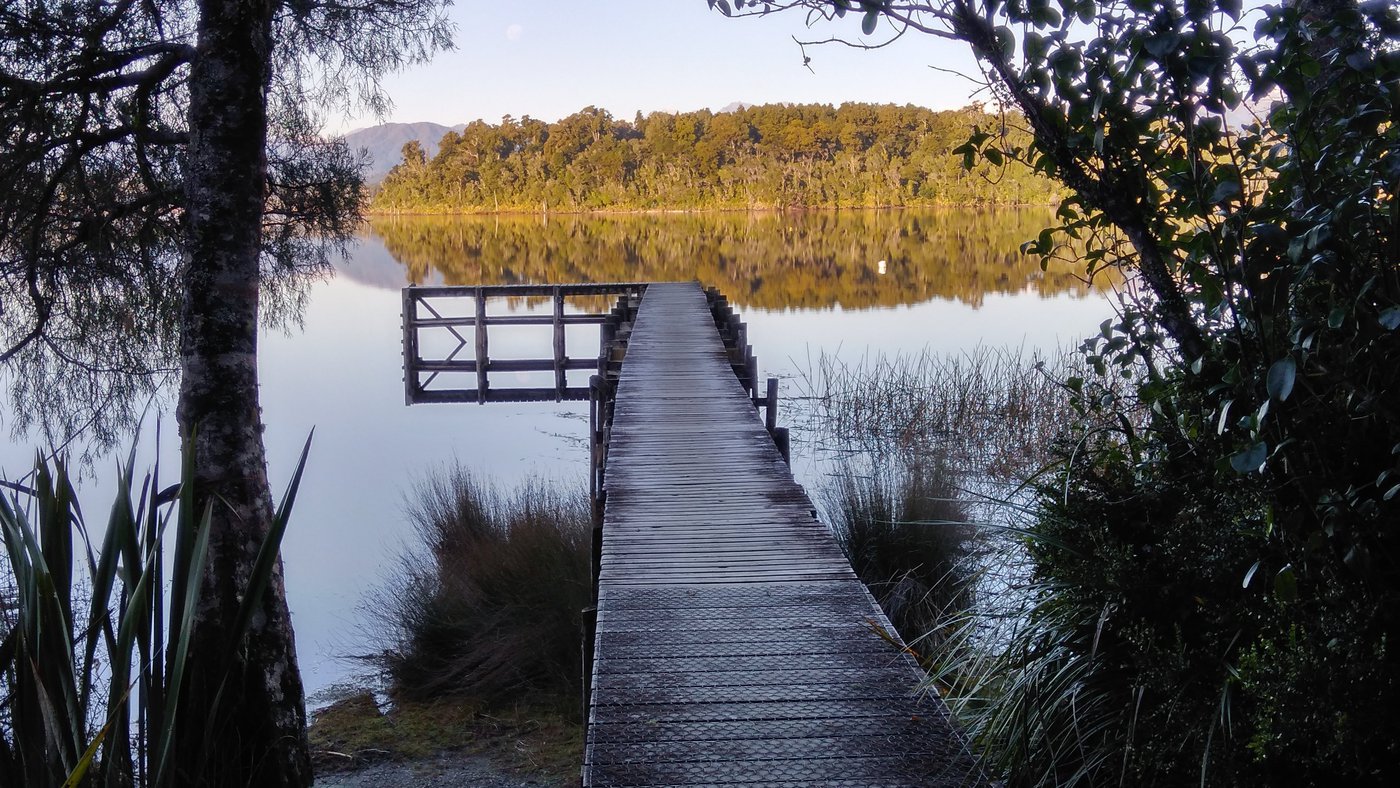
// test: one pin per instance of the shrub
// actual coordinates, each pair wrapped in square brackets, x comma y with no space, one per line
[495,608]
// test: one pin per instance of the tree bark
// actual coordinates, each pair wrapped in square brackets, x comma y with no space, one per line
[258,733]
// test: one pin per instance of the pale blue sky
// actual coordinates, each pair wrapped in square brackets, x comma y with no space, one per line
[549,58]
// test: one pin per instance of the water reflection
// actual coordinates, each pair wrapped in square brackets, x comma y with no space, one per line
[807,284]
[811,260]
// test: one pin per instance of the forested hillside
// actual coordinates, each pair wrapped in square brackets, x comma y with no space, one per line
[769,156]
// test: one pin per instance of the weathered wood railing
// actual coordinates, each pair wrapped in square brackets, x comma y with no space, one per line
[428,309]
[735,334]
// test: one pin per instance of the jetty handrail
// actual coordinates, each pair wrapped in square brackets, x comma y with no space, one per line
[420,314]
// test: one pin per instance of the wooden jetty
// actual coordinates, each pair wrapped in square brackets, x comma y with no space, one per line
[733,644]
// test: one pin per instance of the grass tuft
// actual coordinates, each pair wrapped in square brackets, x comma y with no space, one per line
[493,611]
[906,536]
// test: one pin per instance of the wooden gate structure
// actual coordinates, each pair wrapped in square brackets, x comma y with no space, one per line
[731,643]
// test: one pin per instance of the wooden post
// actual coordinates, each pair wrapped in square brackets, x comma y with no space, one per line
[751,373]
[482,360]
[410,346]
[593,383]
[597,392]
[559,355]
[771,417]
[607,332]
[783,441]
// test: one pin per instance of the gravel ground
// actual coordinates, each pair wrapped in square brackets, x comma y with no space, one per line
[448,769]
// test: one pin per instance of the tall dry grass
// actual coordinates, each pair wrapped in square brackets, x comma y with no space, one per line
[927,462]
[988,413]
[492,606]
[907,538]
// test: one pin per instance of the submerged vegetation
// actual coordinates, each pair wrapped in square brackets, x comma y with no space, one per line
[768,156]
[494,611]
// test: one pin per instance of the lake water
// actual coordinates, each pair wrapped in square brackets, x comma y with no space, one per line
[807,284]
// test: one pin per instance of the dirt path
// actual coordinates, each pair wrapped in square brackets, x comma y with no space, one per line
[448,769]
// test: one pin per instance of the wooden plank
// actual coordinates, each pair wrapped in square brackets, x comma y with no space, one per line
[573,394]
[501,291]
[410,346]
[734,644]
[482,360]
[560,356]
[507,320]
[506,365]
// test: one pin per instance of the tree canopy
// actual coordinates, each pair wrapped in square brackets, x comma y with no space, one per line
[94,124]
[162,161]
[767,156]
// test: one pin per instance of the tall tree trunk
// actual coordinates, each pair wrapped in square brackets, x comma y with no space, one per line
[259,734]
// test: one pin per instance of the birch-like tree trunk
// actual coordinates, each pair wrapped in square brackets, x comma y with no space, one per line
[259,733]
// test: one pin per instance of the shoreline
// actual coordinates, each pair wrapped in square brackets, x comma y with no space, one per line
[981,206]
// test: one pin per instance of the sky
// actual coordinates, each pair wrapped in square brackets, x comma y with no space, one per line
[550,58]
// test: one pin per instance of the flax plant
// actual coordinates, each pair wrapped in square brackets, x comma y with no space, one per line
[91,667]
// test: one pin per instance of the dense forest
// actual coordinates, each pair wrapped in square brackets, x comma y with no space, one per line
[768,260]
[761,157]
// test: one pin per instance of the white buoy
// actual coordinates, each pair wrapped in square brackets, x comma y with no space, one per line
[880,266]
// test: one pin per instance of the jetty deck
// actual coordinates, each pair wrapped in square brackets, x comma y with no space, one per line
[734,644]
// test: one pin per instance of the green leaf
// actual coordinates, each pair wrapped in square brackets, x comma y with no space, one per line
[1390,318]
[1280,379]
[266,563]
[994,156]
[1224,416]
[1159,45]
[1286,584]
[1225,191]
[1248,576]
[1251,458]
[868,22]
[1006,41]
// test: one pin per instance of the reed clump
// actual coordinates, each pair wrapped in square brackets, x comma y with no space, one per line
[986,414]
[491,607]
[907,538]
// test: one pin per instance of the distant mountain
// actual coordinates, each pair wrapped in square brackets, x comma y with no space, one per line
[385,144]
[734,106]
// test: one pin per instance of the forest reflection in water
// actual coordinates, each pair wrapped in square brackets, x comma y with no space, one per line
[807,285]
[767,260]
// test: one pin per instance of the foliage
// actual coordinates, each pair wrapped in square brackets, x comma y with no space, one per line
[905,533]
[767,156]
[1217,578]
[816,259]
[94,101]
[91,668]
[985,413]
[495,610]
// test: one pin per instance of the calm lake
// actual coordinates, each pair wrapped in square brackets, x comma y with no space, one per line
[807,285]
